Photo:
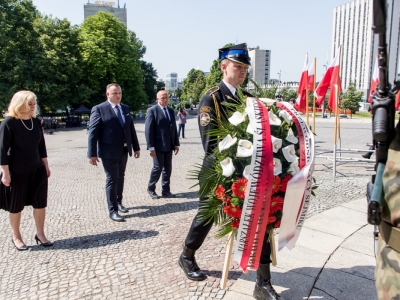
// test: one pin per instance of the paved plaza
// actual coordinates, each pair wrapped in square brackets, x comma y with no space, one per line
[95,258]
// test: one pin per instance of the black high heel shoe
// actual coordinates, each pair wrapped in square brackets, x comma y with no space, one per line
[22,248]
[47,244]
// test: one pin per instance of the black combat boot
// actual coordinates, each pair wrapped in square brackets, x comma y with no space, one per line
[188,264]
[264,289]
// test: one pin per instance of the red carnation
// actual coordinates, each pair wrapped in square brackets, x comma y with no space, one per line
[220,193]
[276,204]
[239,187]
[233,211]
[284,182]
[271,219]
[276,185]
[235,223]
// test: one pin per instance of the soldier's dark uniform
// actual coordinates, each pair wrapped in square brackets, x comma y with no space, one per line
[209,114]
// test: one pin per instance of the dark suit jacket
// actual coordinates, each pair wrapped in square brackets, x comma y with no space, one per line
[160,133]
[106,135]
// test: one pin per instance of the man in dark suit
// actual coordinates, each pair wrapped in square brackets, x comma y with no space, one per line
[112,136]
[234,64]
[162,140]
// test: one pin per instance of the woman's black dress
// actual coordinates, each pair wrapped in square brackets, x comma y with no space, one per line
[22,150]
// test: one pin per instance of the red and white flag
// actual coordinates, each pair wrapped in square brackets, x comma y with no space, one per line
[374,81]
[330,78]
[311,77]
[301,100]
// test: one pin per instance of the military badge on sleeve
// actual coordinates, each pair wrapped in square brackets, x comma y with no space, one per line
[204,119]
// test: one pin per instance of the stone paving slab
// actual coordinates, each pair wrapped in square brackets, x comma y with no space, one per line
[95,258]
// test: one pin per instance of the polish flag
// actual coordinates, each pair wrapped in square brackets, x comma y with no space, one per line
[331,78]
[397,103]
[301,92]
[311,77]
[374,82]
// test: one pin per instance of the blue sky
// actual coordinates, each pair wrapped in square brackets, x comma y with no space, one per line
[182,34]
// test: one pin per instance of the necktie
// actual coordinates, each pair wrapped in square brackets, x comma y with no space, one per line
[167,114]
[119,115]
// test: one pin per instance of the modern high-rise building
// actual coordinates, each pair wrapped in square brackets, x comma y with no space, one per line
[352,29]
[259,70]
[93,6]
[171,82]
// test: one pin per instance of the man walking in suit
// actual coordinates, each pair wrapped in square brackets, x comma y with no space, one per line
[162,140]
[112,136]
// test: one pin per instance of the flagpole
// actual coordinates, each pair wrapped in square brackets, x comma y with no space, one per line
[315,72]
[307,106]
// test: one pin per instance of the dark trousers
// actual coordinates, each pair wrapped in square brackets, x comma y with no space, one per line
[115,175]
[199,230]
[162,163]
[181,126]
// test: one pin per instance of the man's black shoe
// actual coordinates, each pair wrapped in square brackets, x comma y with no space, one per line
[116,217]
[367,155]
[168,195]
[189,266]
[153,194]
[122,208]
[264,289]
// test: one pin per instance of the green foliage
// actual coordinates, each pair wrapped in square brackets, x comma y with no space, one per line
[149,80]
[193,86]
[20,51]
[110,53]
[58,83]
[351,98]
[264,92]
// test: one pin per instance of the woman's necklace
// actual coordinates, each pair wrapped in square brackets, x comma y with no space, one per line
[27,126]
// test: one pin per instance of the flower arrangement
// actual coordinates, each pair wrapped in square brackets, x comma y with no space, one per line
[225,175]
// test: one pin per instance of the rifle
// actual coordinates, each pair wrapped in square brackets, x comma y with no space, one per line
[383,112]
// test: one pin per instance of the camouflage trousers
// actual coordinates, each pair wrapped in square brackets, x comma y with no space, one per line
[387,272]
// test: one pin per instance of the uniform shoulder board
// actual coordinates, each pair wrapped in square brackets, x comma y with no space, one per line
[212,90]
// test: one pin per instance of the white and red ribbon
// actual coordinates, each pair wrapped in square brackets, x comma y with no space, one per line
[298,191]
[256,206]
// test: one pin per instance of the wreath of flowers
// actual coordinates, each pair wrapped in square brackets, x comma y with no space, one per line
[224,176]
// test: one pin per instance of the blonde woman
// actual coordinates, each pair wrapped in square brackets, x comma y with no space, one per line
[24,168]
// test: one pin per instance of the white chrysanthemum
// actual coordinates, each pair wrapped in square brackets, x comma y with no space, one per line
[227,167]
[284,114]
[294,167]
[237,118]
[289,153]
[245,148]
[273,119]
[291,138]
[246,172]
[276,144]
[226,143]
[277,166]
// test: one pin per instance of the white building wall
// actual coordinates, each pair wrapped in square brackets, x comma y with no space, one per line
[352,28]
[260,65]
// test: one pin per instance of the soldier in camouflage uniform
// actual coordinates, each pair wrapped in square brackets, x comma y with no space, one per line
[387,272]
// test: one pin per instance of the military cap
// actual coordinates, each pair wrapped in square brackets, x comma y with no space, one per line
[237,53]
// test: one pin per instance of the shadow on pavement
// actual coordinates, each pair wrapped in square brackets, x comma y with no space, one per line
[97,240]
[164,209]
[356,282]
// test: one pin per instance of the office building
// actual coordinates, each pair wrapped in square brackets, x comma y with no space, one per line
[93,6]
[352,23]
[171,82]
[259,70]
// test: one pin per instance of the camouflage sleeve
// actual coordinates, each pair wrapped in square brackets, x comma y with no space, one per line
[207,121]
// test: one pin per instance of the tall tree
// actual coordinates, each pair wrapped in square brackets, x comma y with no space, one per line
[112,54]
[20,51]
[59,83]
[149,80]
[198,87]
